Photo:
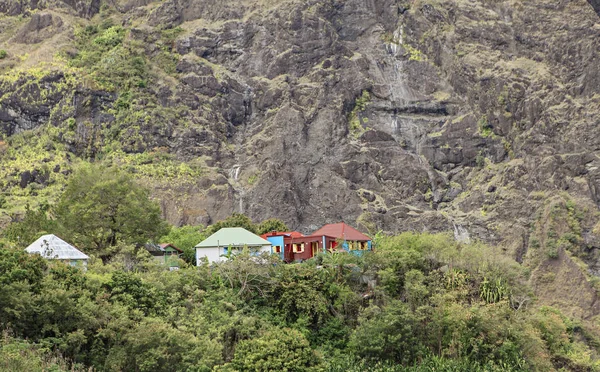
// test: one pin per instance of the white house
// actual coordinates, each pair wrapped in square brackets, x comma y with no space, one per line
[216,247]
[52,247]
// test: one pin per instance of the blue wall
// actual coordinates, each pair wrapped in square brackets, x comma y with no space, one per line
[276,240]
[357,251]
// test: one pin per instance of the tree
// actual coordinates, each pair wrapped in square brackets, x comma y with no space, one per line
[251,278]
[235,220]
[34,224]
[388,334]
[155,346]
[272,224]
[129,290]
[185,238]
[102,206]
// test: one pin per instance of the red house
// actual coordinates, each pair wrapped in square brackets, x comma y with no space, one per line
[339,237]
[351,239]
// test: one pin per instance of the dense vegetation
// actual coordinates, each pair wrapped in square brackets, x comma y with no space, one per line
[420,302]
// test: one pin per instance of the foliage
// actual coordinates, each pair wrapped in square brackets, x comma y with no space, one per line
[155,345]
[276,350]
[33,224]
[103,206]
[19,355]
[272,224]
[388,334]
[130,291]
[413,53]
[484,127]
[493,291]
[185,238]
[18,266]
[247,275]
[428,364]
[235,220]
[421,302]
[102,54]
[240,220]
[3,53]
[355,120]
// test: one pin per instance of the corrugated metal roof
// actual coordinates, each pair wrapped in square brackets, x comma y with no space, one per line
[341,231]
[52,247]
[159,249]
[234,237]
[164,246]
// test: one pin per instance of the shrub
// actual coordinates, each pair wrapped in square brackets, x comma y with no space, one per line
[276,350]
[111,37]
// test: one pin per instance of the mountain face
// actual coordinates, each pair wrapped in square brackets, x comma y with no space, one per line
[473,116]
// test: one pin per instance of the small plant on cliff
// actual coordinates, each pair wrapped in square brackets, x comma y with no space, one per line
[354,119]
[485,129]
[3,53]
[413,53]
[252,179]
[492,291]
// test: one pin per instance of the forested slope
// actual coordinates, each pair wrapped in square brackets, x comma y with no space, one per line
[420,303]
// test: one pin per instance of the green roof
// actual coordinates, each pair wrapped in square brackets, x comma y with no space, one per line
[233,237]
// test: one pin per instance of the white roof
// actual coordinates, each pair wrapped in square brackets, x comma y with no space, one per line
[52,247]
[233,237]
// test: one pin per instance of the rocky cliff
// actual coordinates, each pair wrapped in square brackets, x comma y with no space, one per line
[477,117]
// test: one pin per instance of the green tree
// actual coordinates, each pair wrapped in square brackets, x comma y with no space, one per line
[34,223]
[272,224]
[155,346]
[235,220]
[388,334]
[102,206]
[21,277]
[185,238]
[131,291]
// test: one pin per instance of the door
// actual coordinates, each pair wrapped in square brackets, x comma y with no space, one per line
[314,248]
[288,255]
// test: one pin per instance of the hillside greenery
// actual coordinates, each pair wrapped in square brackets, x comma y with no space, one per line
[419,302]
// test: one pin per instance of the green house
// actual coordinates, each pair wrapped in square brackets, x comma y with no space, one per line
[166,253]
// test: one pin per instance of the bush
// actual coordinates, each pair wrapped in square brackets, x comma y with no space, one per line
[111,37]
[3,54]
[276,350]
[389,334]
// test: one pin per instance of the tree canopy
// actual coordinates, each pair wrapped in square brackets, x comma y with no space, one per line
[429,310]
[102,206]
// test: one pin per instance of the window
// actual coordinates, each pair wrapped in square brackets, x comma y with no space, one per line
[351,246]
[298,247]
[364,246]
[276,249]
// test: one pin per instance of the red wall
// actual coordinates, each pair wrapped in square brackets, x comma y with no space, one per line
[290,256]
